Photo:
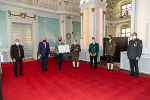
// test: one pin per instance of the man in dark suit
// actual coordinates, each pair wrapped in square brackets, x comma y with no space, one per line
[17,55]
[134,53]
[44,52]
[93,50]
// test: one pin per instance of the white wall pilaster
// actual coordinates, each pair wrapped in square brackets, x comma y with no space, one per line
[133,16]
[96,24]
[140,22]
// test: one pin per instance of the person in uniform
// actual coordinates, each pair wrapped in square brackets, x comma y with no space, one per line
[17,55]
[93,50]
[110,47]
[134,53]
[75,49]
[59,55]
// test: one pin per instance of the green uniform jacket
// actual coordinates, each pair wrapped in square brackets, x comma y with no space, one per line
[94,48]
[134,49]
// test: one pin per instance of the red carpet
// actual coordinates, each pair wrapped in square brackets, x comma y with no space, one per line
[68,84]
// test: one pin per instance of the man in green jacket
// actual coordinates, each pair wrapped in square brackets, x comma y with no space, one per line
[93,50]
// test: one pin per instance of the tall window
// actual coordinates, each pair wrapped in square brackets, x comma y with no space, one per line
[126,10]
[23,32]
[126,32]
[83,1]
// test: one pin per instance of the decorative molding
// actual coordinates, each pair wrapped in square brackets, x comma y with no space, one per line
[22,15]
[98,4]
[50,6]
[81,14]
[93,9]
[60,3]
[104,12]
[68,17]
[62,21]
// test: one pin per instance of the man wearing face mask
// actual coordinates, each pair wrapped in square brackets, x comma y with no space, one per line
[59,55]
[110,47]
[93,50]
[17,55]
[134,53]
[44,53]
[75,49]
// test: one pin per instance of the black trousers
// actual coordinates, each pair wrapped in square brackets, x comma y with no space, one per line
[59,60]
[44,62]
[95,61]
[15,66]
[110,59]
[134,65]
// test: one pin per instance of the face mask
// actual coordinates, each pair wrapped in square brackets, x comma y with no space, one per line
[75,42]
[93,41]
[44,40]
[17,43]
[133,37]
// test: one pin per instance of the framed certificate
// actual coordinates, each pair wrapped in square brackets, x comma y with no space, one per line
[63,48]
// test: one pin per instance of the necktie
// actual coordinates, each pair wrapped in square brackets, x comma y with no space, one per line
[19,52]
[109,41]
[45,44]
[92,48]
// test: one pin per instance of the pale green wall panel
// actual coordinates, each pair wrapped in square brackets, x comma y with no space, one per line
[3,30]
[49,28]
[77,31]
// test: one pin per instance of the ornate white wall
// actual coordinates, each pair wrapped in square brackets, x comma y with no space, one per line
[92,25]
[141,22]
[32,10]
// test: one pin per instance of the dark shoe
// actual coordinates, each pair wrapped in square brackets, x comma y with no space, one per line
[42,70]
[136,77]
[77,68]
[73,67]
[59,69]
[112,70]
[90,68]
[95,68]
[16,75]
[130,75]
[21,74]
[46,70]
[107,70]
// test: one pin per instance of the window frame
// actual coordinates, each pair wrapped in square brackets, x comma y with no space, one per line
[126,32]
[123,11]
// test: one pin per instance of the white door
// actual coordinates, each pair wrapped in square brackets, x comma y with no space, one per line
[23,32]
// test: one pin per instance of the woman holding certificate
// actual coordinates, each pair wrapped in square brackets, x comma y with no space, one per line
[58,54]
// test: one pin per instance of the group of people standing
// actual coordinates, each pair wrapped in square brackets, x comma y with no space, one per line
[133,54]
